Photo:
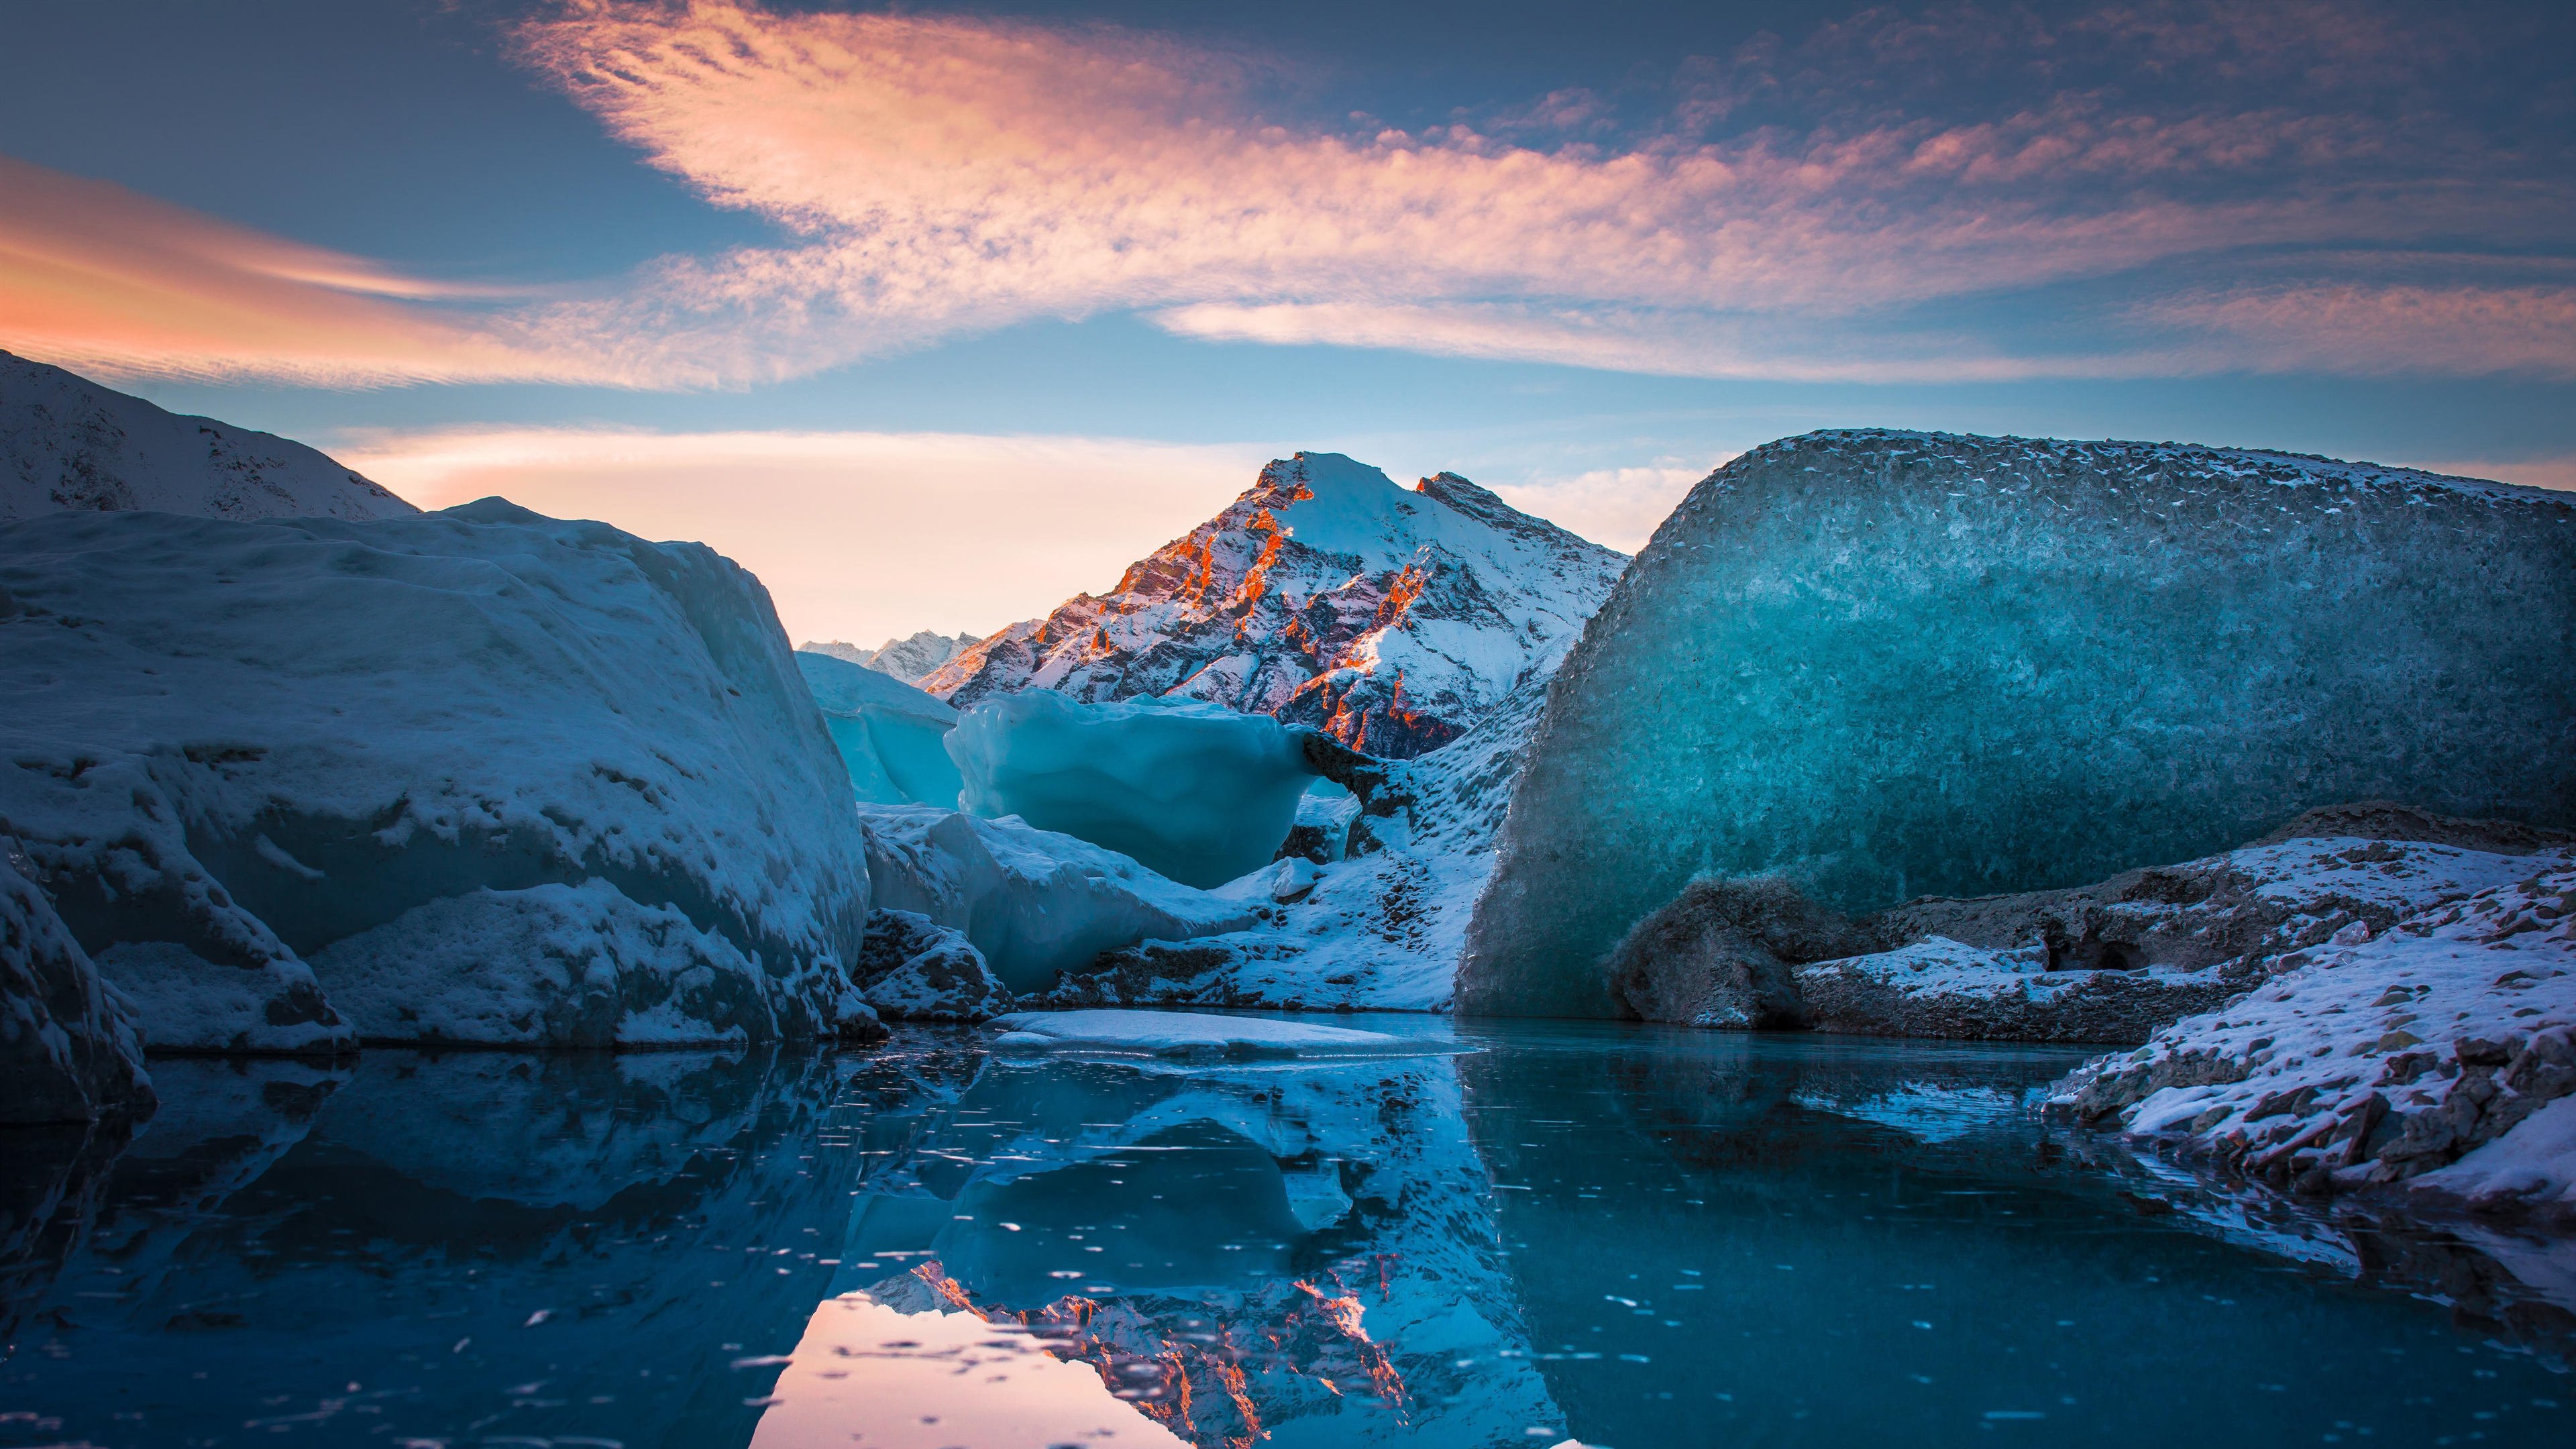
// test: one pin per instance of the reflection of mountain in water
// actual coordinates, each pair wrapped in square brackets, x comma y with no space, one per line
[1302,1255]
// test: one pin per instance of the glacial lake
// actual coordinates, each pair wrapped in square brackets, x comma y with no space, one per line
[1623,1236]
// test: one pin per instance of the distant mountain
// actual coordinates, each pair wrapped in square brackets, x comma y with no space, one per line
[910,660]
[1391,618]
[68,444]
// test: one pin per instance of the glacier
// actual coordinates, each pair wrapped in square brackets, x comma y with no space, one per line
[1888,664]
[1194,791]
[67,443]
[241,749]
[892,737]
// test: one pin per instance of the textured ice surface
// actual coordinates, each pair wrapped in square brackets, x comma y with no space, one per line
[1034,902]
[1390,618]
[1192,790]
[233,744]
[1896,664]
[1197,1033]
[68,1049]
[891,736]
[68,443]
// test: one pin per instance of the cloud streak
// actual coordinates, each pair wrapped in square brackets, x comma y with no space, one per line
[2161,188]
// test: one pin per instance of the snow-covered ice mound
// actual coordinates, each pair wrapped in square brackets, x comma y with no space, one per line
[1034,902]
[2440,1052]
[892,737]
[239,750]
[68,1051]
[1199,1034]
[1194,791]
[1891,665]
[67,443]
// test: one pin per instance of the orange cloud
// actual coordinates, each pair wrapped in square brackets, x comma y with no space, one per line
[96,277]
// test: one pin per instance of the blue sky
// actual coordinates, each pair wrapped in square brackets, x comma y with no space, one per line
[1028,290]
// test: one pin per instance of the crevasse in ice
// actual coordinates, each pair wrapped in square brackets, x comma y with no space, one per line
[1192,790]
[1899,664]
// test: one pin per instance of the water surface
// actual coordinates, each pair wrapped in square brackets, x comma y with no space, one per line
[1622,1236]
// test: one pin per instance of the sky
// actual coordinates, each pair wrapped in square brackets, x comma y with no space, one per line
[933,315]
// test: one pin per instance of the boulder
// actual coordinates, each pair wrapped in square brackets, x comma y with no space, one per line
[911,968]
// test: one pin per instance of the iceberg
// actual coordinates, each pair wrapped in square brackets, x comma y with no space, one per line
[239,745]
[1035,903]
[1194,791]
[892,737]
[1886,665]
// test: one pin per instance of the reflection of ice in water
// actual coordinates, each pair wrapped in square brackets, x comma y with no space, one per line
[869,1376]
[1926,1112]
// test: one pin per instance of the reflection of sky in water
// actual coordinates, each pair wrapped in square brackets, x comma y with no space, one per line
[1634,1237]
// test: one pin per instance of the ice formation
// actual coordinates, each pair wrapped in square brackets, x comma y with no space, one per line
[2439,1052]
[68,1049]
[1380,922]
[237,744]
[1392,619]
[1198,1034]
[1893,664]
[892,737]
[1034,902]
[67,443]
[1192,790]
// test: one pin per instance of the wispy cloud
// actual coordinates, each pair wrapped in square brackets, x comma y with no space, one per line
[1942,192]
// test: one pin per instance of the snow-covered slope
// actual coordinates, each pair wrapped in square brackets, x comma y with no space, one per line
[1325,595]
[507,779]
[910,660]
[68,443]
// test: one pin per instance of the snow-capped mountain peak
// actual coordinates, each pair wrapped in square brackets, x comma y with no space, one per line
[1325,594]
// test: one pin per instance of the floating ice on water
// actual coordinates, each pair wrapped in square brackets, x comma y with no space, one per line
[890,735]
[1195,791]
[1193,1033]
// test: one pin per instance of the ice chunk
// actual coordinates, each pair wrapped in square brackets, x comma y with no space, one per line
[1890,665]
[68,1051]
[263,738]
[892,737]
[1193,1033]
[560,966]
[1192,790]
[1034,902]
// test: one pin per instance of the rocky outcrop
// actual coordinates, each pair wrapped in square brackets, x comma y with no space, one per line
[1390,618]
[911,968]
[2440,1053]
[1890,665]
[2107,963]
[68,1048]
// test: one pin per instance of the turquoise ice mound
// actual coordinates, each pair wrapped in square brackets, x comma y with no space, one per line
[1193,791]
[1889,665]
[1200,1034]
[892,737]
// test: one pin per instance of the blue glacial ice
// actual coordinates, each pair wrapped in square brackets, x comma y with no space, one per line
[892,737]
[1888,665]
[1192,790]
